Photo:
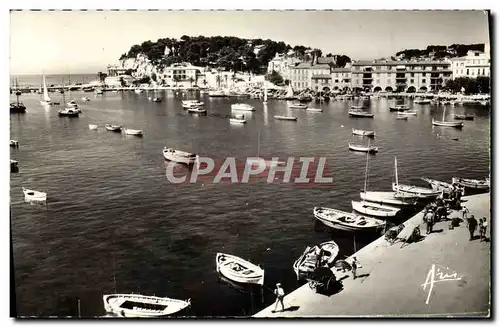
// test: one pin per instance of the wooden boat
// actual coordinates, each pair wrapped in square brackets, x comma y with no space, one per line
[156,99]
[401,117]
[14,143]
[360,113]
[342,220]
[399,108]
[197,110]
[237,120]
[390,198]
[135,132]
[363,148]
[441,186]
[464,117]
[447,123]
[314,109]
[307,262]
[297,106]
[17,108]
[142,306]
[179,156]
[472,183]
[113,128]
[34,196]
[69,112]
[242,107]
[285,117]
[85,99]
[420,192]
[422,101]
[362,132]
[374,209]
[14,166]
[73,104]
[358,107]
[186,104]
[239,270]
[93,127]
[408,113]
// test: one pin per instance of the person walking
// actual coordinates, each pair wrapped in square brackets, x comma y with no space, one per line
[472,222]
[465,211]
[354,267]
[483,225]
[280,294]
[429,220]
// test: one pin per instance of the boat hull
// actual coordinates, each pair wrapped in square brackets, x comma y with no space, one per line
[420,192]
[223,262]
[374,209]
[447,124]
[117,304]
[285,118]
[472,183]
[335,221]
[387,198]
[357,114]
[183,159]
[370,149]
[363,133]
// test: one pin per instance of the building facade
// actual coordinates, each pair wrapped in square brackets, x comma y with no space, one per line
[182,75]
[474,64]
[400,76]
[281,64]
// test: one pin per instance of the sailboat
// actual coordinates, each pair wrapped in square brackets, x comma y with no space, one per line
[17,107]
[46,99]
[421,192]
[289,94]
[444,123]
[372,209]
[70,111]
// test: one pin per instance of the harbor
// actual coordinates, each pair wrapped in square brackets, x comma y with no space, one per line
[112,170]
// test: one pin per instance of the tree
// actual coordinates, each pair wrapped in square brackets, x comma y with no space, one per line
[101,76]
[129,71]
[122,82]
[153,77]
[275,78]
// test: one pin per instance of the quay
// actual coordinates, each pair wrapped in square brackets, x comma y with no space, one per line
[442,275]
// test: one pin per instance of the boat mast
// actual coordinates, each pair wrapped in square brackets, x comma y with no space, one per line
[366,175]
[258,144]
[444,111]
[396,170]
[17,92]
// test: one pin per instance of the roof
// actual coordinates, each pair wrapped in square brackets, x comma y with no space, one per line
[397,63]
[307,65]
[341,70]
[326,60]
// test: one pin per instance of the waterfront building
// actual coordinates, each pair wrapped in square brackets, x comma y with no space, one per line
[341,78]
[402,76]
[183,75]
[281,64]
[116,81]
[314,75]
[474,64]
[116,70]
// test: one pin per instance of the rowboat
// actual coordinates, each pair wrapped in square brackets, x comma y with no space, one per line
[179,156]
[297,106]
[93,127]
[156,99]
[390,198]
[362,132]
[358,107]
[14,143]
[408,113]
[464,117]
[197,110]
[237,120]
[447,123]
[472,183]
[186,104]
[142,306]
[239,270]
[314,109]
[401,117]
[34,196]
[113,128]
[360,113]
[242,107]
[308,261]
[135,132]
[285,117]
[420,192]
[422,101]
[363,148]
[441,186]
[374,209]
[68,112]
[342,220]
[14,166]
[399,108]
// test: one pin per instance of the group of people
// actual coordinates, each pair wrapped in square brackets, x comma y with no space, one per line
[472,224]
[434,212]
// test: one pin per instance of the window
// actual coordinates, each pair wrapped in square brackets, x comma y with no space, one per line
[424,81]
[412,81]
[412,74]
[336,81]
[423,74]
[483,71]
[467,71]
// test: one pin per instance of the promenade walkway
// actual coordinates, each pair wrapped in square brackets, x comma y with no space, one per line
[395,276]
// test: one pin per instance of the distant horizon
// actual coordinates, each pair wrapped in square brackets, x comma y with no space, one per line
[70,44]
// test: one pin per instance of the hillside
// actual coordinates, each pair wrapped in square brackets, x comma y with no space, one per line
[231,53]
[439,51]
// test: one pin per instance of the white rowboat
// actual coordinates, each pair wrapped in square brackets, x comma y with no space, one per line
[285,117]
[307,262]
[93,127]
[113,128]
[239,270]
[297,106]
[179,156]
[314,109]
[342,220]
[34,196]
[135,132]
[390,198]
[142,306]
[363,148]
[242,107]
[374,209]
[362,132]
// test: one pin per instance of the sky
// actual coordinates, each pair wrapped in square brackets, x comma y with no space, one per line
[57,42]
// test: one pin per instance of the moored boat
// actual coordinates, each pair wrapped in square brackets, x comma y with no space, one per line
[242,107]
[362,132]
[342,220]
[444,123]
[239,270]
[422,101]
[399,108]
[69,112]
[34,196]
[186,104]
[358,107]
[237,120]
[156,99]
[464,117]
[14,166]
[14,143]
[93,127]
[308,261]
[441,186]
[408,113]
[197,110]
[113,128]
[363,148]
[472,183]
[297,106]
[216,94]
[401,117]
[142,306]
[360,113]
[285,117]
[374,209]
[314,109]
[179,156]
[390,198]
[135,132]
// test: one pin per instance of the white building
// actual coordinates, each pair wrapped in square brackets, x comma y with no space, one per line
[474,64]
[281,64]
[182,75]
[116,81]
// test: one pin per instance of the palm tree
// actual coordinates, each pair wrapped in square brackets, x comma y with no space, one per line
[218,79]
